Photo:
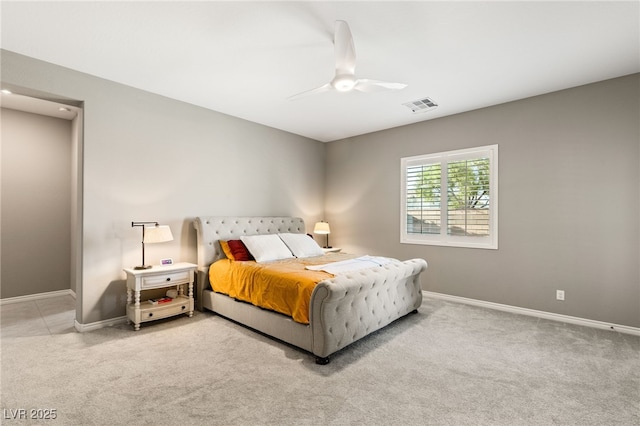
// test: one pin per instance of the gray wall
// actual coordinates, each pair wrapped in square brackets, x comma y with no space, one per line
[569,189]
[569,192]
[36,203]
[147,157]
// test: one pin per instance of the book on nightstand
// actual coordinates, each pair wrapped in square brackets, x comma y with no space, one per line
[160,301]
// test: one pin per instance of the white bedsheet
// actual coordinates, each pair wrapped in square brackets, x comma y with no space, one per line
[351,265]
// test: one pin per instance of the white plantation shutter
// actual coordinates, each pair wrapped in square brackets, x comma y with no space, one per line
[468,215]
[464,214]
[423,213]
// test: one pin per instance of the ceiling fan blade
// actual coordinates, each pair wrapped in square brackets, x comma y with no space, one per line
[323,88]
[367,85]
[344,49]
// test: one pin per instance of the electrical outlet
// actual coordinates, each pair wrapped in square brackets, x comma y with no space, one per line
[559,294]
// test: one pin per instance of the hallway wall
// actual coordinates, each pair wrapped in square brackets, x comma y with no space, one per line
[36,203]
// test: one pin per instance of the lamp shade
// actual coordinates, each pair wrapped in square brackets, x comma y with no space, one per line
[157,234]
[322,228]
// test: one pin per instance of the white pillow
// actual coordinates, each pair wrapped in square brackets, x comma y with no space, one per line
[301,245]
[265,248]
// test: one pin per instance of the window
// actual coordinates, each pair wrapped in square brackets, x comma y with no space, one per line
[451,198]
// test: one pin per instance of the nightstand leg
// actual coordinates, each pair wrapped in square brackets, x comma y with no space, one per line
[129,301]
[191,296]
[137,307]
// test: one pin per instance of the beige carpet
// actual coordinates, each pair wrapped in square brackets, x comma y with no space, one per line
[449,364]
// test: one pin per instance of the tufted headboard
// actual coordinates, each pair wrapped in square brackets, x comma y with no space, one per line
[211,229]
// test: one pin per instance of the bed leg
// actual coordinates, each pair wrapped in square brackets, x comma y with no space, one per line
[322,360]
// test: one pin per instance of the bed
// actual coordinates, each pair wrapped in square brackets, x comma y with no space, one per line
[343,308]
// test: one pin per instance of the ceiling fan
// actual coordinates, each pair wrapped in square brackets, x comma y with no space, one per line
[345,79]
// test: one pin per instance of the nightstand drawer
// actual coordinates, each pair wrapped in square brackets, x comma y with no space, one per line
[164,280]
[181,305]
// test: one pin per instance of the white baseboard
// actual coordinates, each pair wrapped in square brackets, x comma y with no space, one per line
[39,296]
[534,313]
[79,327]
[82,328]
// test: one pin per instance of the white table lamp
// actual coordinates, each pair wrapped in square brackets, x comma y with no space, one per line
[155,233]
[323,228]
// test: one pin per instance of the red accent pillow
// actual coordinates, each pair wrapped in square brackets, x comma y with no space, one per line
[239,250]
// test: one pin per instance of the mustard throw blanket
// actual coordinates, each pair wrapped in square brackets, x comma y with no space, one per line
[283,286]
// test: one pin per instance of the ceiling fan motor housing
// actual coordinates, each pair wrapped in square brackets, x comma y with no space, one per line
[343,82]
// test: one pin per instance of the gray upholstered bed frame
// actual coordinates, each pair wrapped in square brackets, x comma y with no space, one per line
[343,309]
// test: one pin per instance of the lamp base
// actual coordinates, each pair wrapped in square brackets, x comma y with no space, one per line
[143,267]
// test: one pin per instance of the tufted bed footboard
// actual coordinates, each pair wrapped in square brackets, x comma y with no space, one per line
[348,307]
[343,309]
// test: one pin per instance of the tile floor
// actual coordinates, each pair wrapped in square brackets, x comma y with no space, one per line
[42,317]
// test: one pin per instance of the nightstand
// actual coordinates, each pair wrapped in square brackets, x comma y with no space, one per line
[157,277]
[332,250]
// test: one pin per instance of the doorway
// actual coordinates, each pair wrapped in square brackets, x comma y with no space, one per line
[41,199]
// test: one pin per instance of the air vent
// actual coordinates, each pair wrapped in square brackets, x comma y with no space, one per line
[421,105]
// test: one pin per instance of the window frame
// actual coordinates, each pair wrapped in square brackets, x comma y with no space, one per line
[443,238]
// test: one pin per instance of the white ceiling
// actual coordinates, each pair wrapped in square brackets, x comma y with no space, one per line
[245,58]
